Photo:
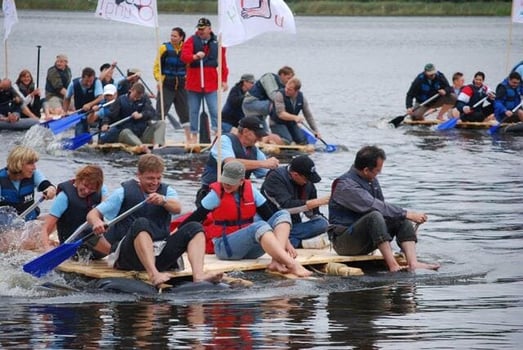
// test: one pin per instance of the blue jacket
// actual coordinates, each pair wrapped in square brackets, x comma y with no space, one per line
[21,198]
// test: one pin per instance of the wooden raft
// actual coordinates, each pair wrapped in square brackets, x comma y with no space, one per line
[178,148]
[99,269]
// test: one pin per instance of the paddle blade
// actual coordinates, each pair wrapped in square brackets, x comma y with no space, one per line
[494,129]
[330,148]
[75,142]
[47,262]
[449,124]
[398,120]
[64,123]
[205,132]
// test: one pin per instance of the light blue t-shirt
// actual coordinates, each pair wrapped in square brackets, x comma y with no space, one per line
[61,203]
[211,201]
[38,178]
[111,206]
[228,152]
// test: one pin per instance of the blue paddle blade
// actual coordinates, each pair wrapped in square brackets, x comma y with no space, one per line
[75,142]
[64,123]
[309,136]
[494,129]
[47,262]
[330,148]
[449,124]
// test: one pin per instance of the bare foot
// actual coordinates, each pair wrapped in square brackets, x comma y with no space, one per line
[160,278]
[209,277]
[426,266]
[277,267]
[299,270]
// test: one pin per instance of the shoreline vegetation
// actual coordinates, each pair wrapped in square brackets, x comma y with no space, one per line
[311,8]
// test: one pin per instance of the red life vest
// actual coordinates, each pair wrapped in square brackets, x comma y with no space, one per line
[230,216]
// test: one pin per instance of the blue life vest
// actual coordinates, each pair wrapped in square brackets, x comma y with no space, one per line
[289,107]
[512,95]
[429,87]
[20,199]
[158,216]
[211,56]
[172,65]
[77,209]
[82,96]
[211,168]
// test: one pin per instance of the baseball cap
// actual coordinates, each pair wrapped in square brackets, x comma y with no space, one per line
[303,165]
[430,69]
[254,124]
[247,77]
[109,89]
[232,173]
[203,22]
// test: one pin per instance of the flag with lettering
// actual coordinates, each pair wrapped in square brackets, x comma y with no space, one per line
[143,13]
[241,20]
[10,16]
[517,11]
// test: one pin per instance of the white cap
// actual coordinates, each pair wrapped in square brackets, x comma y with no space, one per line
[109,89]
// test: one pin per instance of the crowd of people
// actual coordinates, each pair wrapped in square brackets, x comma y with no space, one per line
[474,102]
[233,219]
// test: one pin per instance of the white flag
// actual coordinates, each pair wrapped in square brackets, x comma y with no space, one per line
[241,20]
[517,11]
[143,13]
[10,16]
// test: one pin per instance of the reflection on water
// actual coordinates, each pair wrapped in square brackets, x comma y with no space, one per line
[468,182]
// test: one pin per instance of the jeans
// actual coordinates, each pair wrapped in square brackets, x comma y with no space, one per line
[245,243]
[308,229]
[368,232]
[195,100]
[289,133]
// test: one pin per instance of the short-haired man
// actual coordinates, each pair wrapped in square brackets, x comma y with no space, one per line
[427,84]
[289,102]
[132,238]
[507,105]
[292,188]
[360,219]
[88,92]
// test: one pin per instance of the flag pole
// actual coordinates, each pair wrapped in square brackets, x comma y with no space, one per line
[160,79]
[219,103]
[5,59]
[509,47]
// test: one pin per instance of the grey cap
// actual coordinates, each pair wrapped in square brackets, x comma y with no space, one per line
[233,173]
[248,77]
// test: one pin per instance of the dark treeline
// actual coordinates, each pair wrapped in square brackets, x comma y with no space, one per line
[313,7]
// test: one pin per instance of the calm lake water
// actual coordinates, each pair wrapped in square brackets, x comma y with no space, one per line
[355,72]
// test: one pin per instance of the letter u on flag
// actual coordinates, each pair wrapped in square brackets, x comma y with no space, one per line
[517,11]
[141,12]
[241,20]
[10,16]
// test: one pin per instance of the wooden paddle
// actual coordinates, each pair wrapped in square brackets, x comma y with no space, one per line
[399,119]
[47,262]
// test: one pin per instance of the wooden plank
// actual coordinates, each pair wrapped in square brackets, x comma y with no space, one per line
[459,125]
[99,269]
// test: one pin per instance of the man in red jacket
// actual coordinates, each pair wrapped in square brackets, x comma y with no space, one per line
[200,53]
